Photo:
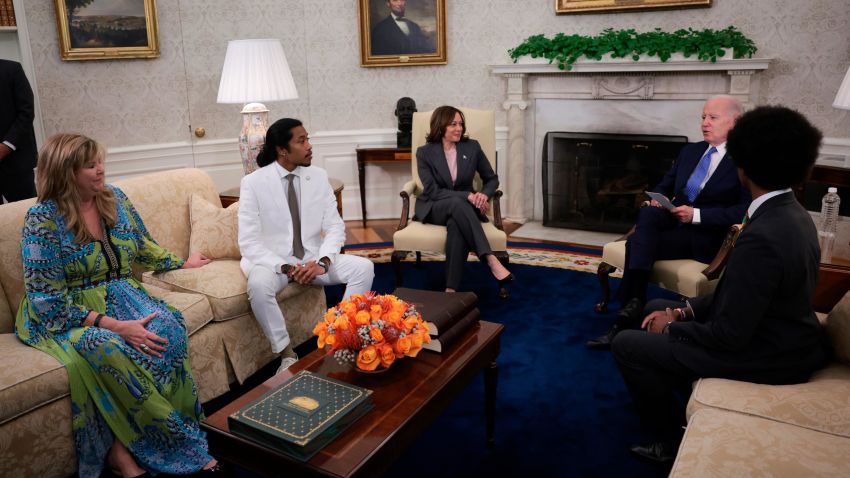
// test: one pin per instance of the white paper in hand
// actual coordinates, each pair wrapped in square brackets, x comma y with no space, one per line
[660,199]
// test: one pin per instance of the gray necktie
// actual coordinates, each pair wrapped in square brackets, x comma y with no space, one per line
[292,199]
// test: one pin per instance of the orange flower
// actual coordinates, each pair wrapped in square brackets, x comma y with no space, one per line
[393,318]
[375,311]
[387,355]
[323,335]
[362,318]
[402,346]
[349,308]
[341,323]
[368,358]
[410,323]
[330,315]
[415,345]
[376,334]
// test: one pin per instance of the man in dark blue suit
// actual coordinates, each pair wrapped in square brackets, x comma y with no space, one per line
[703,186]
[758,326]
[17,138]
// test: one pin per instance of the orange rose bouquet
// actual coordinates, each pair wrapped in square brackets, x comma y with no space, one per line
[372,330]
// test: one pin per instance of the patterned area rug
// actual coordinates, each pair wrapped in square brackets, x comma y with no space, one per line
[575,258]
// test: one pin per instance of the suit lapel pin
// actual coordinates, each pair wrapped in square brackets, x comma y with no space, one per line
[307,178]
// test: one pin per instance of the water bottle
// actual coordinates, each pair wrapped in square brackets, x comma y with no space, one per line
[828,223]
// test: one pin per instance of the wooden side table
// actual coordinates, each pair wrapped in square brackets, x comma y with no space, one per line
[376,155]
[231,195]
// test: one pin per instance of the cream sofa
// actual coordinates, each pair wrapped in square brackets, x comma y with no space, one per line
[226,345]
[745,429]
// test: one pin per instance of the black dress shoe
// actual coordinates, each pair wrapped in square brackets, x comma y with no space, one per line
[631,313]
[603,342]
[658,452]
[503,291]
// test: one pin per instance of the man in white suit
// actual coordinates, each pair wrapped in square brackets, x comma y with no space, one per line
[285,196]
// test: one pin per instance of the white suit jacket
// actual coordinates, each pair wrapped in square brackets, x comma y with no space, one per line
[265,225]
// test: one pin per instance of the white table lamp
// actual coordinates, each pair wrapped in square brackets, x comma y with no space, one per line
[255,71]
[842,99]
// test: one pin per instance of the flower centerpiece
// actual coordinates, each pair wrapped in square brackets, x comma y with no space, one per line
[372,331]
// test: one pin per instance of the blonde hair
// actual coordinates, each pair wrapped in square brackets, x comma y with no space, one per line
[59,161]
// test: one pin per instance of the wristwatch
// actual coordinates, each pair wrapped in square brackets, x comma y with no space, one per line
[325,263]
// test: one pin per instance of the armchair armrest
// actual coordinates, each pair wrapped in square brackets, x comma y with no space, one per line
[497,210]
[407,191]
[719,262]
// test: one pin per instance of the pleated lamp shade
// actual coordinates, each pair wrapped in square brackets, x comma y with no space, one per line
[255,71]
[842,99]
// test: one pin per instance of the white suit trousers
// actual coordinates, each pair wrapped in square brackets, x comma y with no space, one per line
[264,284]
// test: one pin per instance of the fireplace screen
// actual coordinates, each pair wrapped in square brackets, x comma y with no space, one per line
[596,181]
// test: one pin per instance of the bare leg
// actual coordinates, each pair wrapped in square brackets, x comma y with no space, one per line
[119,457]
[499,271]
[211,464]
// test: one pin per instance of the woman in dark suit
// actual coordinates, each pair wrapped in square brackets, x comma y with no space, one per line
[447,164]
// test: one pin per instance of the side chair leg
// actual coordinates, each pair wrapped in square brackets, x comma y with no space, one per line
[602,273]
[418,258]
[397,257]
[503,257]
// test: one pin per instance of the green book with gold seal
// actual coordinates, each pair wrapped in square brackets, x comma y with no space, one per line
[301,415]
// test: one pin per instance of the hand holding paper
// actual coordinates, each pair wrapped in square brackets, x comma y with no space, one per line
[660,199]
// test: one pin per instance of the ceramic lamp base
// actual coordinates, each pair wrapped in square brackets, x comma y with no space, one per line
[255,123]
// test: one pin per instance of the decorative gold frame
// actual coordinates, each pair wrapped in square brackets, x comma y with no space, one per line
[68,52]
[367,59]
[593,6]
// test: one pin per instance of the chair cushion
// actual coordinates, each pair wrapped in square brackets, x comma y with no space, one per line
[683,276]
[821,404]
[721,444]
[429,237]
[29,378]
[214,229]
[838,329]
[195,308]
[222,281]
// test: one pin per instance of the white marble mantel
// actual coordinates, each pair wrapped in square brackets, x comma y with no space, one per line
[615,95]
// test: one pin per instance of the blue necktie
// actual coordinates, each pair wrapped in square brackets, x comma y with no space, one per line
[699,174]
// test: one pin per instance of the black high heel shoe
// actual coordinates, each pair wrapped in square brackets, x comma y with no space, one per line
[503,291]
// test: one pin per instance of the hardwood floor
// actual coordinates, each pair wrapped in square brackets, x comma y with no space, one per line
[381,230]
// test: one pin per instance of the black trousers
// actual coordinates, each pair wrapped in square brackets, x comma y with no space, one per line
[659,384]
[17,185]
[658,236]
[463,234]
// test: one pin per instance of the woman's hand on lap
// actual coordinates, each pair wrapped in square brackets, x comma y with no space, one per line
[137,336]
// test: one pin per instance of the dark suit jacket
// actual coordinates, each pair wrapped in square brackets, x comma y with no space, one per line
[437,180]
[388,39]
[722,202]
[759,324]
[16,116]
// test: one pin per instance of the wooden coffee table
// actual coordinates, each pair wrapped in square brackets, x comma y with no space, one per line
[408,398]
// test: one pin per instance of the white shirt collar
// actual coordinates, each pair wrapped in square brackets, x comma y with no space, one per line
[283,172]
[764,197]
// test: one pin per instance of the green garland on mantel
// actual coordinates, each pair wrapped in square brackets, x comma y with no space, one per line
[706,44]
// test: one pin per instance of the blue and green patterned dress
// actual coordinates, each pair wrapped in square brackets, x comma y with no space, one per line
[150,404]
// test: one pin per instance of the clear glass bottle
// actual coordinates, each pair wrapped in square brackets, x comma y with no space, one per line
[828,223]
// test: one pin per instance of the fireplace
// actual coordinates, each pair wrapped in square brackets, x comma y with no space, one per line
[596,181]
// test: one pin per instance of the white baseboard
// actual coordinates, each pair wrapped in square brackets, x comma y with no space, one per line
[334,151]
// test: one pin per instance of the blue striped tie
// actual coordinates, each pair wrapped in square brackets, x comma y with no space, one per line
[698,176]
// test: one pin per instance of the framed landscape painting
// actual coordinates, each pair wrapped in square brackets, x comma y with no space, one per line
[402,32]
[107,29]
[597,6]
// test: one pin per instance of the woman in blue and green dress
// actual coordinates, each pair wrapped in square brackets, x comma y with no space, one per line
[135,404]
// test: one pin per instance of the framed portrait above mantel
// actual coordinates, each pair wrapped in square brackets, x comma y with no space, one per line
[402,32]
[107,29]
[601,6]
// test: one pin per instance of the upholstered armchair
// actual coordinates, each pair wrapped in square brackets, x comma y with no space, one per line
[413,236]
[686,277]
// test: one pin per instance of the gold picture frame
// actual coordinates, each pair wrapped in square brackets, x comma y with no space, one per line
[105,29]
[596,6]
[383,43]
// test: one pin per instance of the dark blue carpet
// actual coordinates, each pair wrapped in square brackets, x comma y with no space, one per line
[562,409]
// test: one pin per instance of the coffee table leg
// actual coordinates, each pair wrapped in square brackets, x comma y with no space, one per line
[491,376]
